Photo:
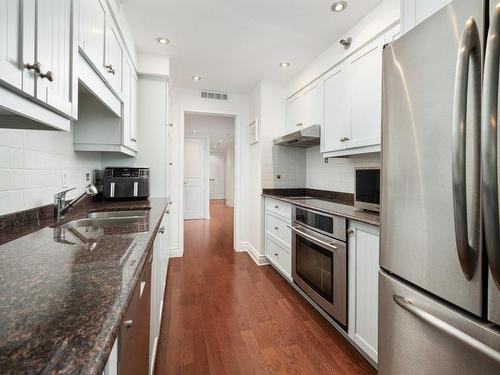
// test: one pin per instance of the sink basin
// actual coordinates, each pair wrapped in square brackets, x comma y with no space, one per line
[136,214]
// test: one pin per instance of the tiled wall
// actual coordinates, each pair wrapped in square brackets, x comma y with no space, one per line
[338,174]
[301,168]
[32,163]
[287,162]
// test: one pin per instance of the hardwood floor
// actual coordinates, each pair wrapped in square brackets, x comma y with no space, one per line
[225,315]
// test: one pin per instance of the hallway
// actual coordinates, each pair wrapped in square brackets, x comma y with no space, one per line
[225,315]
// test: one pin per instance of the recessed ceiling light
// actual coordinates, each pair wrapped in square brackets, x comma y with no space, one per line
[163,40]
[196,78]
[339,6]
[284,64]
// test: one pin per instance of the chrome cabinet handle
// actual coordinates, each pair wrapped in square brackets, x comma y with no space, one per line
[489,151]
[277,207]
[344,139]
[49,76]
[409,305]
[469,51]
[128,323]
[161,230]
[133,140]
[276,228]
[350,231]
[36,67]
[276,255]
[110,69]
[313,239]
[300,123]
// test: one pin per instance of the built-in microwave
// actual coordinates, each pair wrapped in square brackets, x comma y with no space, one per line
[367,191]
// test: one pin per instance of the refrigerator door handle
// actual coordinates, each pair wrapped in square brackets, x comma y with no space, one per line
[489,147]
[464,338]
[469,52]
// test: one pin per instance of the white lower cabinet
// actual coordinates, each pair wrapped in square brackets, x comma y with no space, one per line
[158,282]
[363,286]
[278,237]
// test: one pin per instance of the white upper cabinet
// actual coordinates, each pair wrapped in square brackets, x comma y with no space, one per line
[55,51]
[17,43]
[114,59]
[305,108]
[337,123]
[134,113]
[92,39]
[365,74]
[414,12]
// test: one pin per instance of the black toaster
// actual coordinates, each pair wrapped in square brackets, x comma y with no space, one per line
[125,183]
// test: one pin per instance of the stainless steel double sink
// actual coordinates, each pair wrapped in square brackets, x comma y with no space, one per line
[108,218]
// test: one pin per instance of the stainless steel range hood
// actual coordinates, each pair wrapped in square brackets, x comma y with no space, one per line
[306,137]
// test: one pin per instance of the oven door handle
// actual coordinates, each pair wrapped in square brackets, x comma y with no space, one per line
[313,239]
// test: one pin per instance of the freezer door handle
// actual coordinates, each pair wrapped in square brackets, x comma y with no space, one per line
[489,147]
[469,53]
[409,305]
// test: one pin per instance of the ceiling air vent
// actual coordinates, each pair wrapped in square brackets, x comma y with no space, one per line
[212,95]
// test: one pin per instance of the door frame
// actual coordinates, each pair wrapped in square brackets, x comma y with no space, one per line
[206,185]
[236,179]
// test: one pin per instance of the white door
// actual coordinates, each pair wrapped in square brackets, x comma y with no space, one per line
[365,72]
[114,59]
[217,178]
[311,106]
[17,43]
[195,177]
[55,33]
[93,32]
[337,123]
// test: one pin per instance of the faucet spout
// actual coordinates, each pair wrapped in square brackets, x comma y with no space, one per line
[60,205]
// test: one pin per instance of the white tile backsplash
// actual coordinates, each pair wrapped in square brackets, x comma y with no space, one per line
[306,168]
[32,163]
[338,173]
[287,162]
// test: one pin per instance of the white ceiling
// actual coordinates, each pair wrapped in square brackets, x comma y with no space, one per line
[219,128]
[233,44]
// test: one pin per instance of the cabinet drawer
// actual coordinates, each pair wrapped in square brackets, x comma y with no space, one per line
[281,208]
[279,256]
[277,227]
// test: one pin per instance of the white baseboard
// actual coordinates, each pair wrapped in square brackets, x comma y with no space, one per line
[175,252]
[260,260]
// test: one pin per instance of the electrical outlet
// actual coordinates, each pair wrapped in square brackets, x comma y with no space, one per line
[87,177]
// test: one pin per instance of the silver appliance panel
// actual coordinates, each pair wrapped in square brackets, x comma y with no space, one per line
[420,335]
[490,98]
[419,240]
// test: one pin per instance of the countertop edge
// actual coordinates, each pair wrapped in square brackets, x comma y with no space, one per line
[333,212]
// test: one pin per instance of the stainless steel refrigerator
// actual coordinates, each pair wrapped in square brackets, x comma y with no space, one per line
[439,284]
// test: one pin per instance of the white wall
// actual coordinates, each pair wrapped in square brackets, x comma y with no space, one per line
[188,100]
[152,135]
[32,163]
[229,177]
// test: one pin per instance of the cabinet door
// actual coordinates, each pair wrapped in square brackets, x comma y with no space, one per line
[365,84]
[93,32]
[311,106]
[17,44]
[363,287]
[56,85]
[134,82]
[337,123]
[114,59]
[126,96]
[292,113]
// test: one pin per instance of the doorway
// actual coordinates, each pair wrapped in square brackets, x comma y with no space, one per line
[209,153]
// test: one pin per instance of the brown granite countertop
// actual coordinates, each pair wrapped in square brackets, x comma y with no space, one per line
[62,301]
[329,207]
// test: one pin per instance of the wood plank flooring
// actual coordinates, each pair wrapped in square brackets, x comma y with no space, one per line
[225,315]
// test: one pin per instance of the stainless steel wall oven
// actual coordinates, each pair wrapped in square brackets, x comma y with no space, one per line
[319,259]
